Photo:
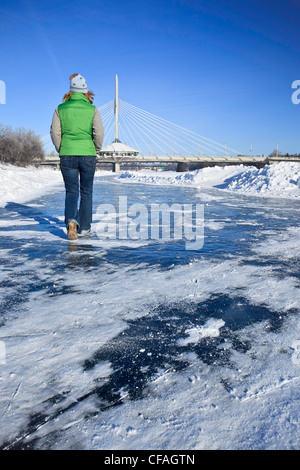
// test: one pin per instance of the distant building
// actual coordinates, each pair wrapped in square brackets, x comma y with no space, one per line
[117,149]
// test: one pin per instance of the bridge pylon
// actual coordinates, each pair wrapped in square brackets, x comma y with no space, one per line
[117,150]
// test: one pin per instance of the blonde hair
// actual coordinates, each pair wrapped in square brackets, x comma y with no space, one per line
[89,95]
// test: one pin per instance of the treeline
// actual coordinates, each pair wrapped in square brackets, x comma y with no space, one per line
[289,155]
[20,146]
[285,155]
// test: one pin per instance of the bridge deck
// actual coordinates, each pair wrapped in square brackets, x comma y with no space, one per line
[230,160]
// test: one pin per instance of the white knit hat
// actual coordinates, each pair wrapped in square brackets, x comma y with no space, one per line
[78,83]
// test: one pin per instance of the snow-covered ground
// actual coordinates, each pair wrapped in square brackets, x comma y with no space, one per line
[249,402]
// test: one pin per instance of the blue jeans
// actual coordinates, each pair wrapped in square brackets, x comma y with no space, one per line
[78,174]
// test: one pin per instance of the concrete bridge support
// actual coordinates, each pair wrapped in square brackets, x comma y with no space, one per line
[182,166]
[116,167]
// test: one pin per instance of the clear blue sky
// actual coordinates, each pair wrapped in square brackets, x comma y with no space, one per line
[222,68]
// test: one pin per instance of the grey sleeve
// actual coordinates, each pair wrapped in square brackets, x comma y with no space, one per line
[98,131]
[55,130]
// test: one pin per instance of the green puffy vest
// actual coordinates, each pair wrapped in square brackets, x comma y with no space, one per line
[76,118]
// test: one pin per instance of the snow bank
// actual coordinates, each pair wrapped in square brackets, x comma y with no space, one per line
[209,176]
[278,180]
[20,184]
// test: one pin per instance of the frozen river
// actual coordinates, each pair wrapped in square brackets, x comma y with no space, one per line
[144,344]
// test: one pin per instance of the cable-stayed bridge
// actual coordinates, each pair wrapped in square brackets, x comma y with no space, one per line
[135,135]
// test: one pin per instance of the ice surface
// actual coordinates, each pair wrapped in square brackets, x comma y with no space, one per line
[113,345]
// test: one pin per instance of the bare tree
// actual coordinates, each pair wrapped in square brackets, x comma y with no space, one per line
[20,147]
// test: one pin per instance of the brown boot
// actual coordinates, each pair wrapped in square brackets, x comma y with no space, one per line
[72,231]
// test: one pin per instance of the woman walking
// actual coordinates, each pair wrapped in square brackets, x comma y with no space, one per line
[77,134]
